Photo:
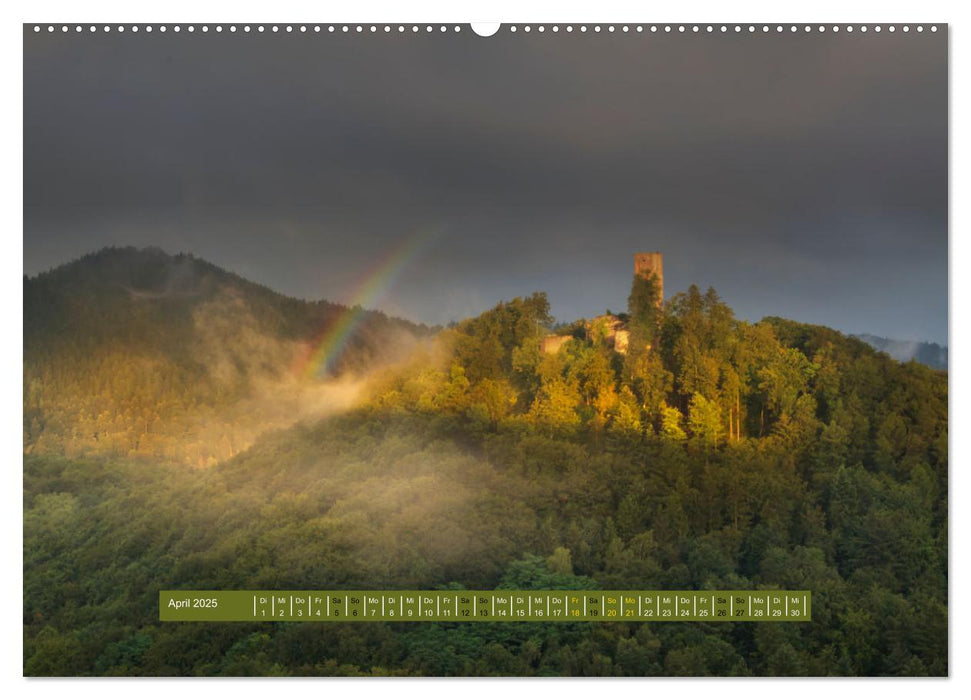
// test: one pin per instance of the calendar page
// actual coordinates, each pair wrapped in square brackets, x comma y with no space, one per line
[544,349]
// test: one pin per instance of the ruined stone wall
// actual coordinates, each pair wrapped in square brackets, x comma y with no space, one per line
[552,343]
[622,341]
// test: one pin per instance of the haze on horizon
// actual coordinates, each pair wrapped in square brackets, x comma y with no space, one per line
[801,175]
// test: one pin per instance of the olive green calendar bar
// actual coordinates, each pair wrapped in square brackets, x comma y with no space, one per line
[485,606]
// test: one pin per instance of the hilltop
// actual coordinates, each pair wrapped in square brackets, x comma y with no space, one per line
[137,352]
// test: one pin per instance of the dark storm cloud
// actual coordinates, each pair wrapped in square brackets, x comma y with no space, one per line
[801,175]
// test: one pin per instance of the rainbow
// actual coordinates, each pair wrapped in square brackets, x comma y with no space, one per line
[328,347]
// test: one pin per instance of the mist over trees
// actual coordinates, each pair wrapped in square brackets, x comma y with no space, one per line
[715,453]
[140,354]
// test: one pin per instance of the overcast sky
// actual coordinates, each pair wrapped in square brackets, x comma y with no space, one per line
[800,175]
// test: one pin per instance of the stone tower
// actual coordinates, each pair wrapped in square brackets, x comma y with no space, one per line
[646,264]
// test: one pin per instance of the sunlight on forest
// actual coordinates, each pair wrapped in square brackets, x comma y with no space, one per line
[712,454]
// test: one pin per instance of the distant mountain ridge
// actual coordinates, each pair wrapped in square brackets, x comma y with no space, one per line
[930,354]
[115,274]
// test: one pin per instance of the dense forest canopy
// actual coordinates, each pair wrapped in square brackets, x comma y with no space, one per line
[714,453]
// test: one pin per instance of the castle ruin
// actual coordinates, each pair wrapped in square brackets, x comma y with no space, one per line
[608,328]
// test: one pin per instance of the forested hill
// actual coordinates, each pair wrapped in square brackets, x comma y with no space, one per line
[693,372]
[715,455]
[121,343]
[146,298]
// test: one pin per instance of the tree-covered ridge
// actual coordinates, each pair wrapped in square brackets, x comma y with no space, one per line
[137,352]
[715,454]
[693,373]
